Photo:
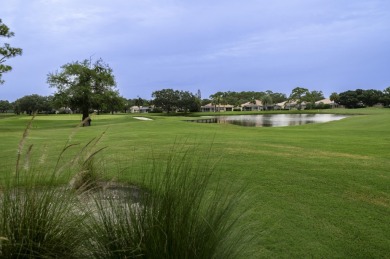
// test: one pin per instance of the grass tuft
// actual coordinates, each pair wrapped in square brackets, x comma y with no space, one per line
[38,219]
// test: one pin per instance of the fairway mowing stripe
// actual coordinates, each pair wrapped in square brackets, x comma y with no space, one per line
[286,151]
[368,198]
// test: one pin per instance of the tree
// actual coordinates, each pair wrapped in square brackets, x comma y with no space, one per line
[217,100]
[205,101]
[350,99]
[188,102]
[61,101]
[112,102]
[313,96]
[33,104]
[126,104]
[5,106]
[360,98]
[83,85]
[199,95]
[297,94]
[266,100]
[371,97]
[277,97]
[334,97]
[166,99]
[139,102]
[6,51]
[386,97]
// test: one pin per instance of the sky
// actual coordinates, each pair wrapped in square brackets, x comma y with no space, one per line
[206,45]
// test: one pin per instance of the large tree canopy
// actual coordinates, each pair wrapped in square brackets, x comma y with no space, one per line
[311,97]
[170,100]
[298,94]
[6,51]
[361,98]
[166,99]
[5,106]
[350,99]
[83,85]
[33,104]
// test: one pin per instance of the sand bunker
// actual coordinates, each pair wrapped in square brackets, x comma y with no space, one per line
[142,118]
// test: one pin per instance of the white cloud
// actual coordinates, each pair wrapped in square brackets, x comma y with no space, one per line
[353,28]
[61,17]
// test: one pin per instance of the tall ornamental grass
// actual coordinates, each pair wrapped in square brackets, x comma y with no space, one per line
[37,220]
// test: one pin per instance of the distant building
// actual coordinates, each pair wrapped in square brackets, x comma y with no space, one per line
[250,106]
[216,108]
[279,106]
[327,101]
[140,109]
[289,105]
[64,110]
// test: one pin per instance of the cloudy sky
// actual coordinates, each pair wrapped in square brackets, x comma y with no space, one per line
[210,45]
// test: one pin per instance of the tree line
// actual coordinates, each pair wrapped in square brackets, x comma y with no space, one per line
[362,98]
[169,100]
[35,103]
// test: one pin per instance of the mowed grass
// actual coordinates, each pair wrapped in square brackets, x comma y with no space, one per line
[318,190]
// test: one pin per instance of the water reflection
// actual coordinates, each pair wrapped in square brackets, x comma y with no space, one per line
[272,120]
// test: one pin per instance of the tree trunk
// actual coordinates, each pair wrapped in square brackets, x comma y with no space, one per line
[86,119]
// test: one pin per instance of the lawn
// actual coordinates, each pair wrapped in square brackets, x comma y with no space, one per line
[317,190]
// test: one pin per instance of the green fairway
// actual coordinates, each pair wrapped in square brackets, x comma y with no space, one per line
[316,190]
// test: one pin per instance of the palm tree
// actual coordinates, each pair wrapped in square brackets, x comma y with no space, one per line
[139,102]
[216,100]
[266,100]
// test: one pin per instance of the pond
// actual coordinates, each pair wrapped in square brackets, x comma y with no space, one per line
[271,120]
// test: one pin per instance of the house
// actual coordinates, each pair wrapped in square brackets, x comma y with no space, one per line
[279,106]
[252,106]
[289,105]
[216,108]
[64,110]
[140,109]
[327,101]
